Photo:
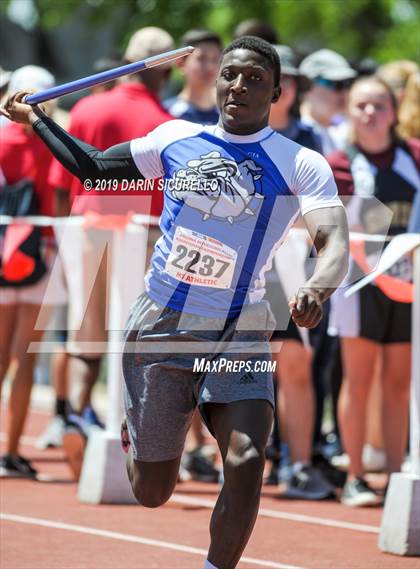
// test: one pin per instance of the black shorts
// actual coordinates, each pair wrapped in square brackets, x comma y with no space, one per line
[370,314]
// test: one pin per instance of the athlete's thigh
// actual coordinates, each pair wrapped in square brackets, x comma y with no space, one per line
[240,423]
[159,403]
[161,475]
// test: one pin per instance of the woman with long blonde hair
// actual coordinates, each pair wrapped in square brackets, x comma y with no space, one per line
[373,326]
[409,112]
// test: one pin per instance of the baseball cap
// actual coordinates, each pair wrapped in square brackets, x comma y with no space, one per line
[193,37]
[327,64]
[30,77]
[288,61]
[288,66]
[147,42]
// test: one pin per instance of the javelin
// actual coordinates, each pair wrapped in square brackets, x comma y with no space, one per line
[105,76]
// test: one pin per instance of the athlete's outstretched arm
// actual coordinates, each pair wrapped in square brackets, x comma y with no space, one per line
[81,159]
[328,229]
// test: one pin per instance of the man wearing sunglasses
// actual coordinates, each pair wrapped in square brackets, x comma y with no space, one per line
[325,102]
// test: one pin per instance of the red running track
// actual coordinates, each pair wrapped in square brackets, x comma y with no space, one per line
[43,526]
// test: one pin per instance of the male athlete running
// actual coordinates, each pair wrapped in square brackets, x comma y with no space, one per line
[231,193]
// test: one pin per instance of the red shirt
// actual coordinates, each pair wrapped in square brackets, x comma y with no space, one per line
[24,155]
[128,111]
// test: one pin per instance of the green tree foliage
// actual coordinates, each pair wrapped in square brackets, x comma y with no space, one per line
[383,29]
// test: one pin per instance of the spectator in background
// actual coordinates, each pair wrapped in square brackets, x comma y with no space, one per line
[365,67]
[282,118]
[324,104]
[293,370]
[396,74]
[258,28]
[370,323]
[409,126]
[132,109]
[24,157]
[100,65]
[197,100]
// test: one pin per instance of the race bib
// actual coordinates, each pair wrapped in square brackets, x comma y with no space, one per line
[201,260]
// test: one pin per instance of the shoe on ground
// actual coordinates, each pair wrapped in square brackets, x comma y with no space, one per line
[358,493]
[334,476]
[15,466]
[74,444]
[52,437]
[309,484]
[200,466]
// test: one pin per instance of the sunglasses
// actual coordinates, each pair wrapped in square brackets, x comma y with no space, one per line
[334,85]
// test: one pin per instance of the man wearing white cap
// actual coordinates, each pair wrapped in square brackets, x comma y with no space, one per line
[331,77]
[24,78]
[132,109]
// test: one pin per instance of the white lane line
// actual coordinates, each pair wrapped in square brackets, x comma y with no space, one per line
[180,499]
[263,512]
[133,539]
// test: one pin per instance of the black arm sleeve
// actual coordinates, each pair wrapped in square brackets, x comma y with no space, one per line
[83,160]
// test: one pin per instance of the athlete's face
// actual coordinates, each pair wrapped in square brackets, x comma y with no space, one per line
[245,91]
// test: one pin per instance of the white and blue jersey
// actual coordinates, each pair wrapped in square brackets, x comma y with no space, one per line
[229,201]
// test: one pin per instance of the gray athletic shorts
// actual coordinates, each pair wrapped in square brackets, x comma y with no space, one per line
[162,386]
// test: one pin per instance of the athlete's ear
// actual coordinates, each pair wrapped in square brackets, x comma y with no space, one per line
[276,94]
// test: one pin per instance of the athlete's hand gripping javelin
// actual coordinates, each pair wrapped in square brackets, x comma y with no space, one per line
[17,110]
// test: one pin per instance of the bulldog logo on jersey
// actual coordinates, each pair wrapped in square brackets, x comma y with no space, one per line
[218,186]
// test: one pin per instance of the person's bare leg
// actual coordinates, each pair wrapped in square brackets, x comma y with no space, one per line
[59,367]
[396,393]
[8,314]
[294,371]
[196,431]
[374,433]
[152,482]
[359,358]
[242,429]
[20,392]
[83,374]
